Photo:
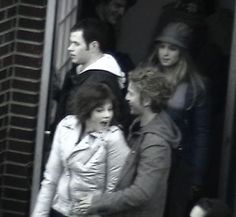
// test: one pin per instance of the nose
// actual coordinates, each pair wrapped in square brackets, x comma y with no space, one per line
[165,51]
[70,47]
[127,97]
[107,113]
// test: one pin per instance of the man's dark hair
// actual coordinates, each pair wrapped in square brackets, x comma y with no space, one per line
[90,96]
[94,30]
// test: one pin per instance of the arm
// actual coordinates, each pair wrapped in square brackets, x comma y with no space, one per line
[51,177]
[117,152]
[151,173]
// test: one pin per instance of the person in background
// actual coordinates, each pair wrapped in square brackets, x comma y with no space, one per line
[88,44]
[108,11]
[141,189]
[189,107]
[111,13]
[209,207]
[87,154]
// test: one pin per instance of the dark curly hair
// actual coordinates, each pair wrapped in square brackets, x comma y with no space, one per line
[90,96]
[152,83]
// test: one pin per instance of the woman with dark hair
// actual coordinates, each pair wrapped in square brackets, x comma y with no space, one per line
[87,154]
[207,207]
[189,108]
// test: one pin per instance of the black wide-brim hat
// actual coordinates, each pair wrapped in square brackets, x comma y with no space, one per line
[178,34]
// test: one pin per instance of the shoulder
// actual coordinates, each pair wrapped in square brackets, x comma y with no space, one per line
[69,121]
[114,133]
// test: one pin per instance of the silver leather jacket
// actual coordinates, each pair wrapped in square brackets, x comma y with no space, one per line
[92,166]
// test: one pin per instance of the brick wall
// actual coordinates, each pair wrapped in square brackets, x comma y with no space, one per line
[21,46]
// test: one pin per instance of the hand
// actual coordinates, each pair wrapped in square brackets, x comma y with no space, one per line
[81,207]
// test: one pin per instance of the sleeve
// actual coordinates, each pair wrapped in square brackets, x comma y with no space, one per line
[151,173]
[200,116]
[52,175]
[117,152]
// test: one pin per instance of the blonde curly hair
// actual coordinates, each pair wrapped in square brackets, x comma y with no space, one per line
[152,83]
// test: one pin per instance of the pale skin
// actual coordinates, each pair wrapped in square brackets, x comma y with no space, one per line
[82,53]
[168,54]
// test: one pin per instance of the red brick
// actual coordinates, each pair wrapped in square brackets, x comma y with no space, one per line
[19,206]
[7,25]
[16,194]
[5,85]
[15,169]
[28,61]
[29,48]
[32,11]
[31,23]
[6,3]
[3,134]
[18,157]
[7,61]
[24,110]
[21,134]
[17,182]
[26,85]
[25,97]
[30,35]
[11,12]
[27,147]
[3,109]
[23,122]
[27,73]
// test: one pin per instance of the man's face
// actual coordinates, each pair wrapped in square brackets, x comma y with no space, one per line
[133,98]
[78,49]
[114,11]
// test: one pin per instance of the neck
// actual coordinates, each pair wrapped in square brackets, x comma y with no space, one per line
[146,117]
[92,60]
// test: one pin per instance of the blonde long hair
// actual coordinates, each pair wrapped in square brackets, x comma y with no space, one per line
[183,71]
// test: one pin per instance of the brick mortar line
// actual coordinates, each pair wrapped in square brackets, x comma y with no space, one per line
[31,18]
[21,140]
[15,200]
[24,92]
[24,116]
[8,19]
[27,67]
[13,127]
[15,188]
[29,30]
[7,162]
[23,104]
[26,79]
[36,6]
[28,42]
[8,7]
[27,54]
[17,152]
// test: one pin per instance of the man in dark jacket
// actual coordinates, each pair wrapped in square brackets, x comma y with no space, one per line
[141,189]
[88,43]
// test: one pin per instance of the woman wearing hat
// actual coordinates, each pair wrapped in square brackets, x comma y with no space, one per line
[189,108]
